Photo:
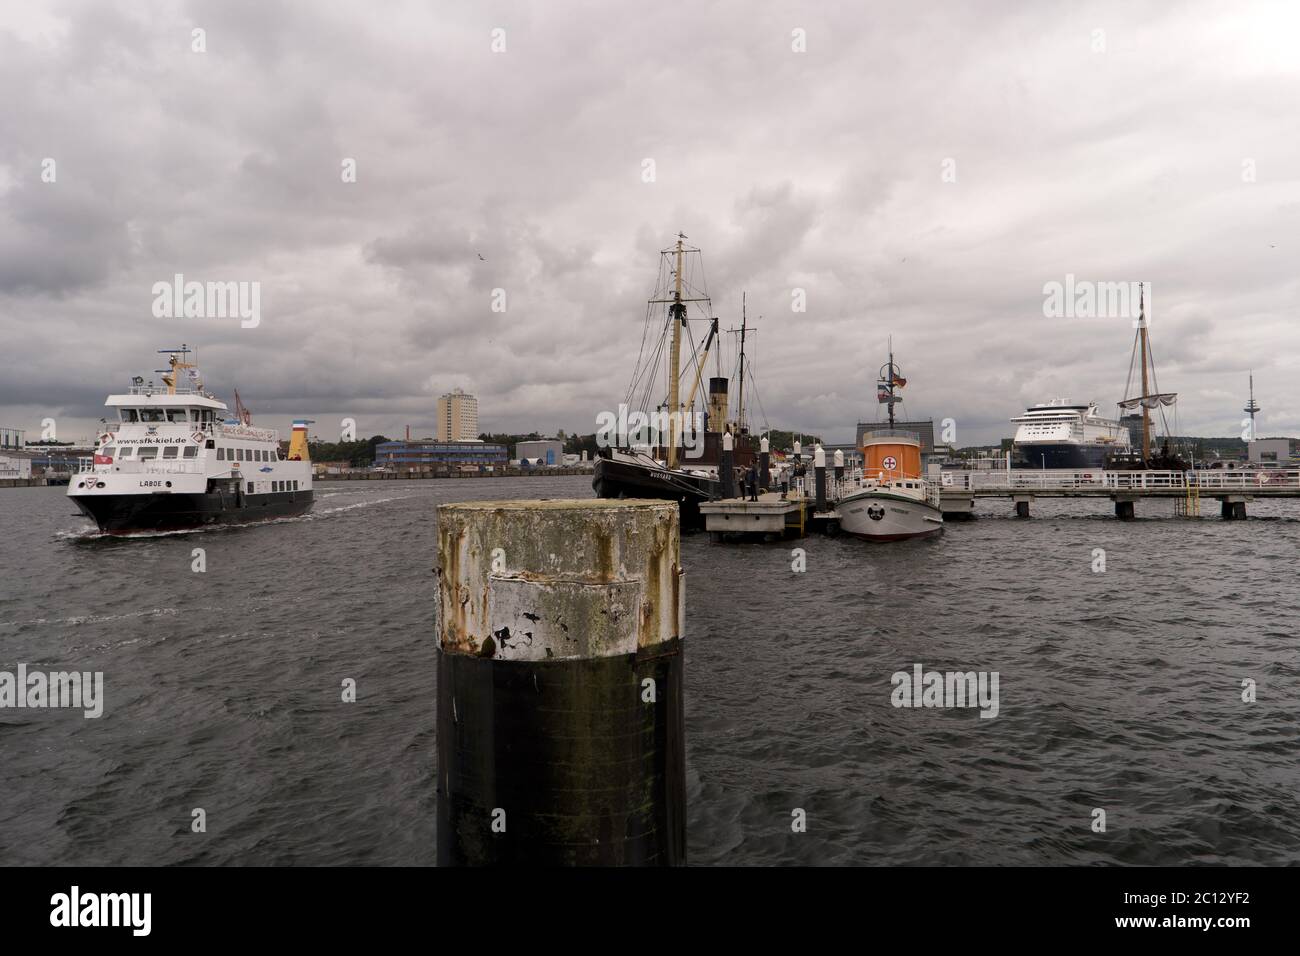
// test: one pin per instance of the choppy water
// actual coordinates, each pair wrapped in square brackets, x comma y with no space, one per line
[1118,690]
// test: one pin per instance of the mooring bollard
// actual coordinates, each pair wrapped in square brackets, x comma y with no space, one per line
[560,732]
[727,466]
[764,464]
[819,466]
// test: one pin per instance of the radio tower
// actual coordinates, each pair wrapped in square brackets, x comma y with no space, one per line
[1252,407]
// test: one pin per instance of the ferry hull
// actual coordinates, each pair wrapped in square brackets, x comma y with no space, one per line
[625,479]
[883,517]
[126,514]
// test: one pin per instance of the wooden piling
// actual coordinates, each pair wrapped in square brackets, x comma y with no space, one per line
[560,736]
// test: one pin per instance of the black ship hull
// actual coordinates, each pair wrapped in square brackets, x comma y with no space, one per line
[618,478]
[127,514]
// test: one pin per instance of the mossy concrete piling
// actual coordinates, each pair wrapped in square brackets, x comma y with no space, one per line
[559,688]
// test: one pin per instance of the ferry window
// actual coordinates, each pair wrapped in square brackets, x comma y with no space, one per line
[221,454]
[149,451]
[266,455]
[172,451]
[110,450]
[177,415]
[239,454]
[295,486]
[279,486]
[152,415]
[130,415]
[250,487]
[275,455]
[191,451]
[128,452]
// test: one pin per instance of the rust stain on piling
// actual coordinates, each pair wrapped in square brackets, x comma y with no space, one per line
[579,578]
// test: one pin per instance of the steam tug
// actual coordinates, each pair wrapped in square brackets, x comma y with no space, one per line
[170,458]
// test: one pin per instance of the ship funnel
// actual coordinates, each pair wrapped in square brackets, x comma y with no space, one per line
[717,404]
[298,442]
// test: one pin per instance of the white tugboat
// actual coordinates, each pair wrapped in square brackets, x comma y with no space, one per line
[173,461]
[891,501]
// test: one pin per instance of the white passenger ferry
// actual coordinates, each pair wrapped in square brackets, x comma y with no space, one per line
[170,459]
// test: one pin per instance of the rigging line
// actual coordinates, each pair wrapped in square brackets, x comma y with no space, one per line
[645,333]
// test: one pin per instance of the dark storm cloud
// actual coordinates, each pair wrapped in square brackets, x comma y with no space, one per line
[818,171]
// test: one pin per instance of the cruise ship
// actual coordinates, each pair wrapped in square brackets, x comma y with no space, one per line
[170,459]
[1059,434]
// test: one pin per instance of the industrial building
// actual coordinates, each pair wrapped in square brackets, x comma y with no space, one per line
[550,451]
[428,454]
[924,430]
[457,417]
[15,466]
[1269,451]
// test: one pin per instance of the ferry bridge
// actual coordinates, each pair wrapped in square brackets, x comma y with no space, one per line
[1232,489]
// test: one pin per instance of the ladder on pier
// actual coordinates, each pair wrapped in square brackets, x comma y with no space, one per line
[1189,505]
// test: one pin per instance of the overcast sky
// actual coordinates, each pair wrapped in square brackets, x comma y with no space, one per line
[1112,141]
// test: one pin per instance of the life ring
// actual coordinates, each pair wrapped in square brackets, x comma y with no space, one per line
[199,438]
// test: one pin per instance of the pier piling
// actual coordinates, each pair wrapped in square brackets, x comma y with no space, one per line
[1022,505]
[1124,509]
[727,466]
[819,467]
[764,464]
[560,736]
[1233,508]
[839,465]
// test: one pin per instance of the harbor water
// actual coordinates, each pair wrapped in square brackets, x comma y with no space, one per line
[1119,689]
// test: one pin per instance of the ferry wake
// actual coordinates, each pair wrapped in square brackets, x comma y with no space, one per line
[172,460]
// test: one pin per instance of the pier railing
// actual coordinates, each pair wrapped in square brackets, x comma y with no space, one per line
[1210,480]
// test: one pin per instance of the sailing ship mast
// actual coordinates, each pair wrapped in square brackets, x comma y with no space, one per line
[1147,400]
[740,392]
[677,315]
[1146,389]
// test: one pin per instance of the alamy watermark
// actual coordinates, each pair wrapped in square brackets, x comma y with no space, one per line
[1085,299]
[208,300]
[40,689]
[922,688]
[628,429]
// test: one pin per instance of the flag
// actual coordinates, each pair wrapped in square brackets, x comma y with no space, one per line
[899,381]
[882,392]
[103,459]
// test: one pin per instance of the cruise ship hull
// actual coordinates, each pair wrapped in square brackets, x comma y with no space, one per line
[881,516]
[127,514]
[1064,455]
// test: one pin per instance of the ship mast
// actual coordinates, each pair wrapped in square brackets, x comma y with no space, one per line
[1146,412]
[740,394]
[891,381]
[677,313]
